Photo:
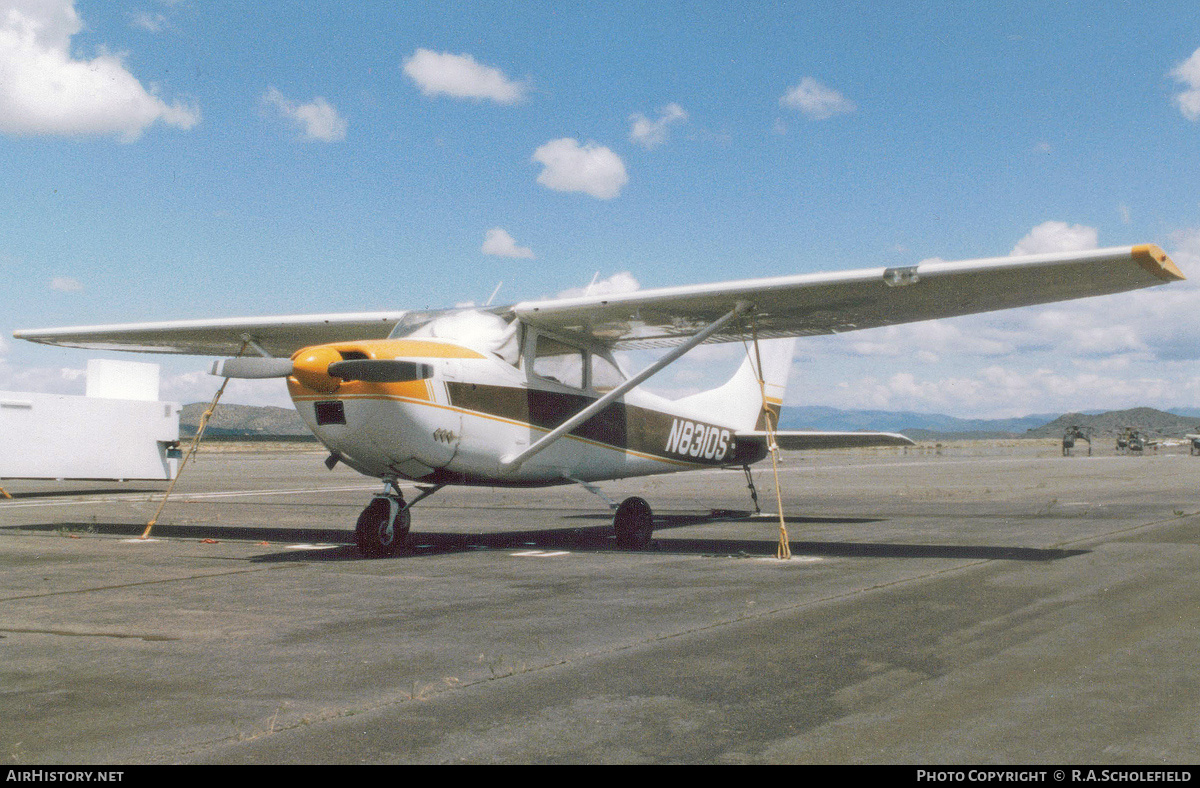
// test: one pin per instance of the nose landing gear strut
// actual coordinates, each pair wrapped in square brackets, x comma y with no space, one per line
[383,526]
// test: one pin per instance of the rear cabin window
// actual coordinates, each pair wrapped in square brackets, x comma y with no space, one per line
[605,374]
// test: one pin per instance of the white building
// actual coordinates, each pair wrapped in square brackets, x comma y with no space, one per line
[119,430]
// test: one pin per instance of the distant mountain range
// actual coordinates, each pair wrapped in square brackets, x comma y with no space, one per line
[1045,425]
[912,424]
[242,422]
[1155,423]
[247,422]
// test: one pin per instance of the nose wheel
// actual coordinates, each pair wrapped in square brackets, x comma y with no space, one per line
[383,526]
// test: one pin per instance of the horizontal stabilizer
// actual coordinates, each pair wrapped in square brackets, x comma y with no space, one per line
[799,440]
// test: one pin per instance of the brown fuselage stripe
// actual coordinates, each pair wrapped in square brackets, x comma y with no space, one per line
[620,426]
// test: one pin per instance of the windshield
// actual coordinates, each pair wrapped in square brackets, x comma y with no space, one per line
[482,331]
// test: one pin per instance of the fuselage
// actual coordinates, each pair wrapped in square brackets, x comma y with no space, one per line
[475,408]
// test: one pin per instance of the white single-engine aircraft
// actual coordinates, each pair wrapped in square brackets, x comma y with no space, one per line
[530,395]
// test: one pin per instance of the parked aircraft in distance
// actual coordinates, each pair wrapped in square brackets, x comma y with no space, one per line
[529,394]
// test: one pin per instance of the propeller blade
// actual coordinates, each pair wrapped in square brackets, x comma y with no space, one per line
[252,367]
[380,370]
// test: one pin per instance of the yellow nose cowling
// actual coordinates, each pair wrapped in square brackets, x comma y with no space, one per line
[310,368]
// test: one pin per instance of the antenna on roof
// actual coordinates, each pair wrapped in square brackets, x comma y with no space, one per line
[493,295]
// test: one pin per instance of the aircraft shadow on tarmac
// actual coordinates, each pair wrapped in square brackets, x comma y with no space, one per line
[76,492]
[337,545]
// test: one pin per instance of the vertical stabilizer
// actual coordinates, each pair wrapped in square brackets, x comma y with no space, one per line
[739,402]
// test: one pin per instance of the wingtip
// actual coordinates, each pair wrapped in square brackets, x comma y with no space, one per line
[1156,261]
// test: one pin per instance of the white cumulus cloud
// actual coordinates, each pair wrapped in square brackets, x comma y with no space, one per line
[148,21]
[461,76]
[817,101]
[622,282]
[45,90]
[66,284]
[652,133]
[1056,237]
[318,120]
[44,380]
[999,390]
[498,242]
[570,167]
[1188,72]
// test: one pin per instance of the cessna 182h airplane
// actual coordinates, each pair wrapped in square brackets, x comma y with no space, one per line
[530,394]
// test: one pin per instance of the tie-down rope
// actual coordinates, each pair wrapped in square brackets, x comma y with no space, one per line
[784,550]
[191,449]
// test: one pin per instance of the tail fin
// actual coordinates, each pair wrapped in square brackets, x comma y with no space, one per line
[740,402]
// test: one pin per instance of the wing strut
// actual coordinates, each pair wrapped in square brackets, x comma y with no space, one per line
[514,461]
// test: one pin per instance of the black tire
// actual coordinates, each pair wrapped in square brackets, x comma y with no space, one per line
[634,524]
[376,535]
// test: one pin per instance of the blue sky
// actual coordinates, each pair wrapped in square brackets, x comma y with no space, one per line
[188,159]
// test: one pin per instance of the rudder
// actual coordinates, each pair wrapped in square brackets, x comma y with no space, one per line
[740,401]
[776,357]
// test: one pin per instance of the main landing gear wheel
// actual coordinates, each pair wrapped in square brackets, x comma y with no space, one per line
[382,527]
[634,524]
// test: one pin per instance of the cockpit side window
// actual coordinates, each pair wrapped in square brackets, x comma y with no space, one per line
[558,361]
[553,359]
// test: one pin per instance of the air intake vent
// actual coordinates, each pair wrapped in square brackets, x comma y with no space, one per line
[330,412]
[353,355]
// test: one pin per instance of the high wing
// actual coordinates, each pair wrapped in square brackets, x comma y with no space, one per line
[279,336]
[800,305]
[831,303]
